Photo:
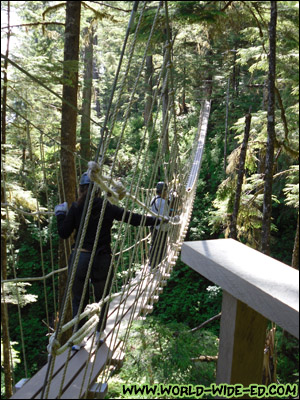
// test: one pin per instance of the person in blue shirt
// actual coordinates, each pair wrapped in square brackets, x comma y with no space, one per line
[160,206]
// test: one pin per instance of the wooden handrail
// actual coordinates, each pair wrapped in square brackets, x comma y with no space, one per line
[256,288]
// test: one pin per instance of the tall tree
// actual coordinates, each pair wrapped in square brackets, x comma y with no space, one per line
[4,314]
[85,134]
[69,106]
[226,126]
[165,95]
[240,178]
[149,89]
[96,77]
[69,117]
[267,204]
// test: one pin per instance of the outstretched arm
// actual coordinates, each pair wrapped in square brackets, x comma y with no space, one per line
[66,223]
[134,218]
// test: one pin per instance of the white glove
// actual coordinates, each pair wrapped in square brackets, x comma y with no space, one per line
[61,208]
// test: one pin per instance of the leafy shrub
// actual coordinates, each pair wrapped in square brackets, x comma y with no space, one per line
[160,353]
[287,357]
[186,299]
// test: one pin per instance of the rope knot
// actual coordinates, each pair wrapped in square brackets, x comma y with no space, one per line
[92,308]
[93,170]
[119,189]
[115,193]
[53,345]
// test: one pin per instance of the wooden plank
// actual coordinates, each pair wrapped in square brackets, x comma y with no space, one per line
[114,316]
[98,392]
[147,288]
[94,367]
[20,384]
[35,384]
[79,359]
[242,340]
[74,366]
[266,285]
[118,359]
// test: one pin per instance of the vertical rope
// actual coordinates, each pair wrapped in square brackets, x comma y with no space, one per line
[41,248]
[17,289]
[42,151]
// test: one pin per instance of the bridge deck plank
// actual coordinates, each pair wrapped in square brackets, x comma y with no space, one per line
[74,373]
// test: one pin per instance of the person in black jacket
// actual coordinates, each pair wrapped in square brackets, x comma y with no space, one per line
[68,221]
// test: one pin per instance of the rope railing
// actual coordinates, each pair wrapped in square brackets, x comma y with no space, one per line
[139,284]
[19,210]
[90,311]
[90,326]
[52,273]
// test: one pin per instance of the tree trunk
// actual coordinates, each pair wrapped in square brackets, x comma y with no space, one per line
[165,95]
[69,114]
[226,127]
[240,178]
[235,75]
[149,90]
[68,122]
[4,316]
[165,100]
[183,108]
[85,137]
[295,258]
[267,204]
[96,77]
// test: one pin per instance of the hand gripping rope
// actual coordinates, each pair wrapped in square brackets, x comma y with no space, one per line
[116,191]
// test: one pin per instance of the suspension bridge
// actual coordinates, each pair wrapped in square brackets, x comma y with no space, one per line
[74,374]
[86,373]
[69,374]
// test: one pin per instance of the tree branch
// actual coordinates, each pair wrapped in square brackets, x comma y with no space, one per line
[205,358]
[34,24]
[283,117]
[226,6]
[206,322]
[293,153]
[108,5]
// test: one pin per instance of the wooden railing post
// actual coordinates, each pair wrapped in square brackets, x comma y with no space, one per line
[242,339]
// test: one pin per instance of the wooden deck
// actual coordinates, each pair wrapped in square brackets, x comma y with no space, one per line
[84,366]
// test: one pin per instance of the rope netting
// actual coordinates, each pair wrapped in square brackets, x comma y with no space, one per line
[136,286]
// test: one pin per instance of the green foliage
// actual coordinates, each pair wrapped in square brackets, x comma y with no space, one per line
[250,211]
[287,352]
[189,299]
[291,189]
[28,264]
[190,12]
[161,353]
[14,354]
[17,294]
